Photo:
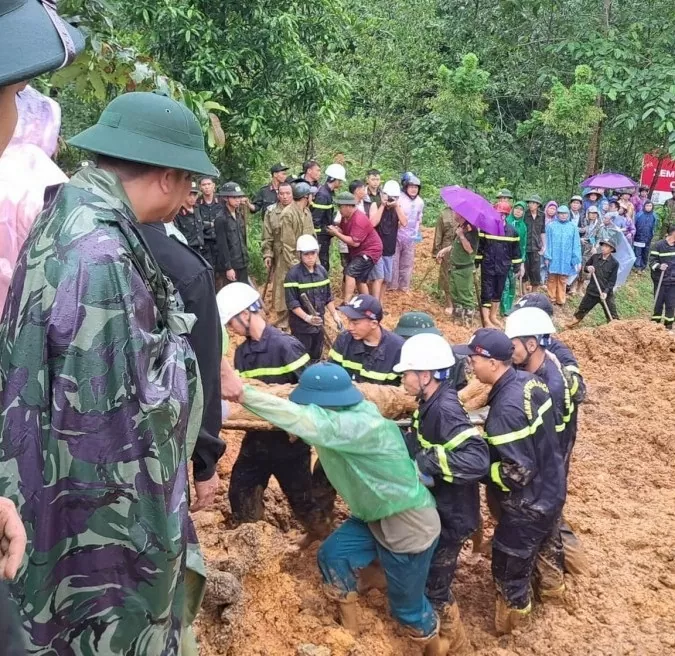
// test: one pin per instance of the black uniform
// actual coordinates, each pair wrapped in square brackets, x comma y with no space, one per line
[570,368]
[323,212]
[527,479]
[231,247]
[276,358]
[606,271]
[664,305]
[210,213]
[265,197]
[536,227]
[190,224]
[496,255]
[192,277]
[316,284]
[448,448]
[369,364]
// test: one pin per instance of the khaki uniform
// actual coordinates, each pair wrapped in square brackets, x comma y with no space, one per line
[281,228]
[444,235]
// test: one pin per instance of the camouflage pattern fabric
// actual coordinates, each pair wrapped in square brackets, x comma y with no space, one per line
[100,405]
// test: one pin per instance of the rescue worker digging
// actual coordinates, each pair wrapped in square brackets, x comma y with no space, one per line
[526,475]
[452,458]
[309,278]
[393,518]
[270,356]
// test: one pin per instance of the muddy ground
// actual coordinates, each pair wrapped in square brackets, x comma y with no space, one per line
[621,501]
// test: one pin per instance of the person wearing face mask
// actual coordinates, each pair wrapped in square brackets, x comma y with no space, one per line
[562,255]
[119,408]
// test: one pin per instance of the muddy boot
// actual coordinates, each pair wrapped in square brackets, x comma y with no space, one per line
[434,645]
[507,618]
[349,612]
[550,578]
[576,561]
[453,631]
[372,578]
[572,324]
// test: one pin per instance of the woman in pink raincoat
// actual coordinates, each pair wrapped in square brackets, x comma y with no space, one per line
[26,169]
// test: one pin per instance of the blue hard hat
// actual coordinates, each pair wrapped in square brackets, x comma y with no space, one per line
[327,385]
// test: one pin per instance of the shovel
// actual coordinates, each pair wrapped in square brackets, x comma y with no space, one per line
[604,303]
[312,310]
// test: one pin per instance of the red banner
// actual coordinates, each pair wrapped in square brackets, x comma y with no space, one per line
[666,181]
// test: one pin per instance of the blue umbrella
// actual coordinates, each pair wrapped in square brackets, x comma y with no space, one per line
[474,209]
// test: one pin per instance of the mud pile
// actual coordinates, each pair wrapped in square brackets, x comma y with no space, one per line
[621,502]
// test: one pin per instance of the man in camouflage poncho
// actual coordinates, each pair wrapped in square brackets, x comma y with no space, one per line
[100,401]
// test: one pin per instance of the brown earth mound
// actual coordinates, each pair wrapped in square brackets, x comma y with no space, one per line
[621,501]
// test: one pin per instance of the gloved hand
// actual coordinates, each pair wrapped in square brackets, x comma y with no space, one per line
[314,320]
[338,322]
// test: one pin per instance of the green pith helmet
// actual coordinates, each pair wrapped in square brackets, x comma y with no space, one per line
[327,385]
[231,190]
[504,193]
[149,128]
[414,323]
[535,198]
[345,198]
[610,242]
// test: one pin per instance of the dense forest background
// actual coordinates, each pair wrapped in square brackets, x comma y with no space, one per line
[528,94]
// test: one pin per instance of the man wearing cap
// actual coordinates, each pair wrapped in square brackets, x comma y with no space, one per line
[322,210]
[119,405]
[536,241]
[272,248]
[365,245]
[269,194]
[367,350]
[392,515]
[527,476]
[189,221]
[35,40]
[272,357]
[606,268]
[662,267]
[211,211]
[232,251]
[452,458]
[309,279]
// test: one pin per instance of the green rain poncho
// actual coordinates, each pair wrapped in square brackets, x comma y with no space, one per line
[363,454]
[521,228]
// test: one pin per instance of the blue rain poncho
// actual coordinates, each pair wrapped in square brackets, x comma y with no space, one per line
[363,454]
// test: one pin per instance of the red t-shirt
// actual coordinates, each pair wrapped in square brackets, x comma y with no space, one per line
[361,230]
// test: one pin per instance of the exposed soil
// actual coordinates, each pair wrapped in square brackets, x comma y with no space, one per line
[621,501]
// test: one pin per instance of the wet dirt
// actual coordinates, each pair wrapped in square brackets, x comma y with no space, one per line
[621,502]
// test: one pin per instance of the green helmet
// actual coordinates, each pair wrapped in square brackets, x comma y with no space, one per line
[345,198]
[535,198]
[504,193]
[231,190]
[149,128]
[414,323]
[327,385]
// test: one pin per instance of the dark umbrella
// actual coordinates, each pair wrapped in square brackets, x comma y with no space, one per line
[474,209]
[609,181]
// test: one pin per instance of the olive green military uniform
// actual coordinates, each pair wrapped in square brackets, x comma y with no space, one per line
[272,248]
[461,271]
[444,235]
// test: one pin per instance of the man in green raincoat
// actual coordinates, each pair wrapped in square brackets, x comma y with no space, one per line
[517,219]
[100,400]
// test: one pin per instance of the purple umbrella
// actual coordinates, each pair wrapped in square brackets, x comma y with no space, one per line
[609,181]
[474,209]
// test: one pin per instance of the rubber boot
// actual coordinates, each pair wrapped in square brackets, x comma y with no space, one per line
[372,578]
[576,561]
[507,619]
[452,629]
[434,645]
[572,324]
[349,612]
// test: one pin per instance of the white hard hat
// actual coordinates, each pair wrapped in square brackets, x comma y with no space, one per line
[235,298]
[307,244]
[425,352]
[392,188]
[528,321]
[336,171]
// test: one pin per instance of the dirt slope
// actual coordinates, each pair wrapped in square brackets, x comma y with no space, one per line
[621,500]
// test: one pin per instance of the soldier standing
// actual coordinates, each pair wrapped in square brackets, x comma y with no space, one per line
[210,210]
[272,251]
[119,410]
[232,252]
[269,194]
